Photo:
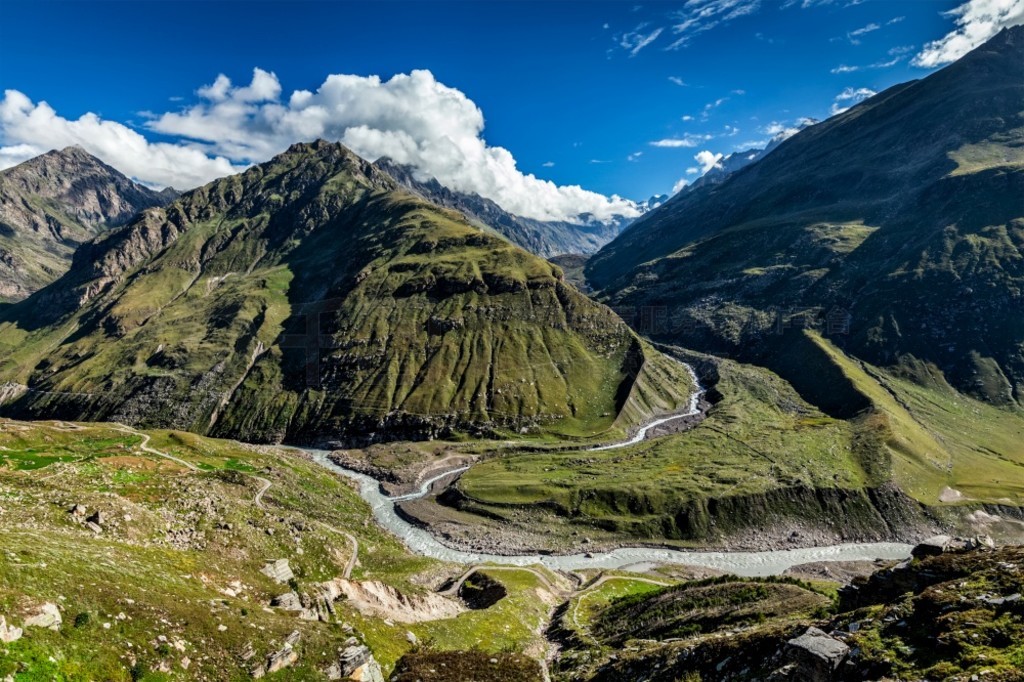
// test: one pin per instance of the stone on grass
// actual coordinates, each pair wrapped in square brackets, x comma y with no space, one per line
[45,616]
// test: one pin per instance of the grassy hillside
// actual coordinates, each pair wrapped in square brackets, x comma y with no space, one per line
[312,299]
[171,586]
[953,616]
[765,457]
[896,228]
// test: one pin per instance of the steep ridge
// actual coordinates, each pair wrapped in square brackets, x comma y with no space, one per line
[312,299]
[741,159]
[544,238]
[899,224]
[50,205]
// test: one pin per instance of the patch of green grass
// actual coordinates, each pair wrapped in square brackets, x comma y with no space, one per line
[760,436]
[174,540]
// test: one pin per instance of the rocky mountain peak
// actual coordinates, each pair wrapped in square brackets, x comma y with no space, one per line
[51,204]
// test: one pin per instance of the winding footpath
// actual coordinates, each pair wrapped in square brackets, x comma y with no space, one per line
[454,589]
[144,446]
[351,564]
[257,499]
[750,564]
[585,592]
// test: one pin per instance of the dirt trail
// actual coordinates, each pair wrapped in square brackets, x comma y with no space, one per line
[347,572]
[144,446]
[584,592]
[454,589]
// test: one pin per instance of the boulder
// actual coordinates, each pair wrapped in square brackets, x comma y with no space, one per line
[816,655]
[355,662]
[45,616]
[940,544]
[289,601]
[279,571]
[9,633]
[283,658]
[933,546]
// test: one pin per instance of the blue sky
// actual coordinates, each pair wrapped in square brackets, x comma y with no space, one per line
[577,92]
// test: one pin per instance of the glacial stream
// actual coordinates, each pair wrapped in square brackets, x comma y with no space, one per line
[771,562]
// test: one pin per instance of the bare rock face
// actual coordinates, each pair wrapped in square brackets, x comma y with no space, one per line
[55,202]
[816,655]
[11,391]
[384,601]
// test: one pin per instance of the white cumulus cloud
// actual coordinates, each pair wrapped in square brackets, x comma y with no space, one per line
[849,97]
[28,129]
[976,22]
[680,184]
[412,118]
[708,160]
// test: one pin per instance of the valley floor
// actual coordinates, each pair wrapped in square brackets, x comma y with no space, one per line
[164,555]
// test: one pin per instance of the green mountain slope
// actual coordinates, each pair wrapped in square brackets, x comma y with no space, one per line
[903,218]
[50,205]
[311,298]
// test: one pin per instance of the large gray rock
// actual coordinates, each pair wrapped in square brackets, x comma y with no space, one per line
[933,546]
[289,601]
[279,571]
[283,658]
[45,616]
[816,655]
[940,544]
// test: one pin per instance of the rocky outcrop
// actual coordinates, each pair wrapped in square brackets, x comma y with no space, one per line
[355,662]
[289,601]
[480,591]
[285,657]
[9,633]
[55,202]
[10,391]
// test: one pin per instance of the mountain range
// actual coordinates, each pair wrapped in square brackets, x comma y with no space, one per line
[546,238]
[898,225]
[55,202]
[733,162]
[313,298]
